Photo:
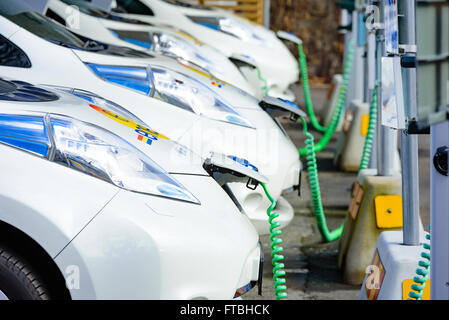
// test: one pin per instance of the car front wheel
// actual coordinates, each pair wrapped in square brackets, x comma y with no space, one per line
[18,280]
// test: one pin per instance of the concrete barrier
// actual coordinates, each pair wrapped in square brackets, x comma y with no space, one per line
[362,229]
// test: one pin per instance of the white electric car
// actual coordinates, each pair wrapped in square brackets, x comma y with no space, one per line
[176,104]
[85,19]
[229,33]
[91,210]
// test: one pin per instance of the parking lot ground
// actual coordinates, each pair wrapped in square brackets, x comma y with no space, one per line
[310,265]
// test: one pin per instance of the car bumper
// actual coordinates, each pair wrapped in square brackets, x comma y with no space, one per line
[144,247]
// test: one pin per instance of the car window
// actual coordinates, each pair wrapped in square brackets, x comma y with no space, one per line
[92,10]
[46,28]
[133,7]
[11,55]
[52,31]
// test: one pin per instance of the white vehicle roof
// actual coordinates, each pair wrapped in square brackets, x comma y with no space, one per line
[33,26]
[231,35]
[115,29]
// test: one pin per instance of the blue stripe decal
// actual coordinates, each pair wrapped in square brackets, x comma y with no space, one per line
[24,132]
[35,147]
[244,163]
[292,104]
[85,98]
[212,26]
[133,78]
[129,83]
[129,72]
[139,43]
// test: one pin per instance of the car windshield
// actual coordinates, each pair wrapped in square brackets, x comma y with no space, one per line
[92,10]
[52,31]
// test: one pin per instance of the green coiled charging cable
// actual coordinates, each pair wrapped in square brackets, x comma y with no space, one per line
[312,170]
[309,151]
[422,274]
[311,148]
[265,83]
[338,111]
[306,89]
[280,287]
[368,145]
[314,183]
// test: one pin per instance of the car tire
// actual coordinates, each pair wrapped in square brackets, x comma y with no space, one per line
[18,280]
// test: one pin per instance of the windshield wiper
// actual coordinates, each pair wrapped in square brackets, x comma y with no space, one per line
[63,44]
[89,45]
[92,45]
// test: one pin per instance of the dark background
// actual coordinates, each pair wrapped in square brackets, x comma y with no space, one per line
[316,23]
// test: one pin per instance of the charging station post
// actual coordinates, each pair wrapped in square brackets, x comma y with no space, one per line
[371,72]
[409,142]
[397,252]
[437,98]
[439,207]
[388,144]
[376,204]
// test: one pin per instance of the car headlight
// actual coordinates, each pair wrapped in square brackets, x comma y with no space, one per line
[170,45]
[91,150]
[174,88]
[233,26]
[192,95]
[175,46]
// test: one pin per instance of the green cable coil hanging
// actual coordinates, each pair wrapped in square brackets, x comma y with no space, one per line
[265,83]
[309,151]
[336,115]
[312,170]
[306,89]
[280,287]
[368,145]
[314,183]
[422,274]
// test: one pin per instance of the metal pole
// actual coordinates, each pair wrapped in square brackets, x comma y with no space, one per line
[409,142]
[352,86]
[379,54]
[371,68]
[266,14]
[358,75]
[386,142]
[345,21]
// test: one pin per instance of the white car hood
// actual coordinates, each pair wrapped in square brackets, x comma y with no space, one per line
[171,156]
[236,97]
